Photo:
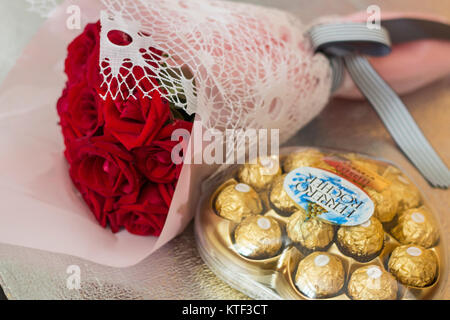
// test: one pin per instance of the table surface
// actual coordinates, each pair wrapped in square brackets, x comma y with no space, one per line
[185,275]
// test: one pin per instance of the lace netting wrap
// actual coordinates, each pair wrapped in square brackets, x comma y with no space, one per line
[238,65]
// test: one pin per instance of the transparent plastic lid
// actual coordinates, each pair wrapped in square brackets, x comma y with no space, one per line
[321,224]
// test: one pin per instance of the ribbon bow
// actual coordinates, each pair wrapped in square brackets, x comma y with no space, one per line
[346,44]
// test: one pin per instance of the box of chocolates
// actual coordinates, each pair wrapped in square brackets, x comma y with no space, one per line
[321,224]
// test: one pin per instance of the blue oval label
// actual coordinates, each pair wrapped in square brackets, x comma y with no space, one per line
[328,196]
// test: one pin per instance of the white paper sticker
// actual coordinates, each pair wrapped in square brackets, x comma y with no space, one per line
[417,217]
[267,162]
[374,272]
[321,260]
[264,223]
[242,187]
[270,165]
[414,251]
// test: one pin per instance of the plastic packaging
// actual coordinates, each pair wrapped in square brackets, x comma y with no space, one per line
[321,224]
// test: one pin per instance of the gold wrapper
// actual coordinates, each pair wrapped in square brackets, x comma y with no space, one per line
[385,204]
[362,242]
[312,233]
[416,226]
[323,165]
[258,237]
[260,174]
[306,158]
[237,201]
[279,198]
[413,265]
[320,275]
[372,283]
[364,162]
[404,191]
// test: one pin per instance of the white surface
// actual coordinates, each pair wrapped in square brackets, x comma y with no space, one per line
[17,26]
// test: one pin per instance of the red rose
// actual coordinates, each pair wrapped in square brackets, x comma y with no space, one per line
[135,122]
[81,109]
[99,206]
[146,213]
[155,160]
[83,54]
[103,166]
[66,128]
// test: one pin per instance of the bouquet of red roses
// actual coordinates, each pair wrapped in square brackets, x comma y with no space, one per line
[119,150]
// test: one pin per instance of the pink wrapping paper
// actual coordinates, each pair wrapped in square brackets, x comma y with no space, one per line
[39,206]
[38,203]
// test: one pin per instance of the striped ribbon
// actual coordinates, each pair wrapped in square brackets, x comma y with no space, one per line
[346,44]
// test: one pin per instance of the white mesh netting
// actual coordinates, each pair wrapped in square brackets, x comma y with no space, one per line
[238,65]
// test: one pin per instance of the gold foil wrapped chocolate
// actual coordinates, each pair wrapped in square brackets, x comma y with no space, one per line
[258,237]
[404,192]
[237,201]
[361,161]
[260,174]
[385,204]
[305,158]
[325,166]
[279,199]
[320,275]
[362,242]
[416,226]
[305,256]
[309,233]
[372,283]
[413,265]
